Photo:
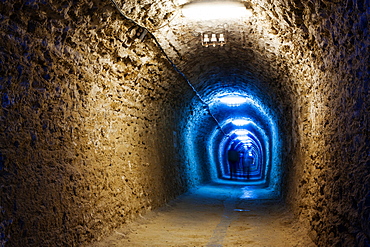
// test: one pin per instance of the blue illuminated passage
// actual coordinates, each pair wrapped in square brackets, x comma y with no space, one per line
[244,125]
[242,150]
[248,162]
[248,143]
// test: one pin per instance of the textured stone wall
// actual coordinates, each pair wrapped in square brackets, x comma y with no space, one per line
[150,14]
[87,118]
[326,49]
[91,116]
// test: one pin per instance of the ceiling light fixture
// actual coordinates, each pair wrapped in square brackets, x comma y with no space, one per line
[220,40]
[240,122]
[233,100]
[215,10]
[241,133]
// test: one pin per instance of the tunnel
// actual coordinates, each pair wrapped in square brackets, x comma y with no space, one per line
[111,109]
[235,118]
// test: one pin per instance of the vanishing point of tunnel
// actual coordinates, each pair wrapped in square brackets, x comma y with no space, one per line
[112,109]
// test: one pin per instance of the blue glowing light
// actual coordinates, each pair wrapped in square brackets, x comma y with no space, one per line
[240,122]
[233,100]
[241,132]
[244,138]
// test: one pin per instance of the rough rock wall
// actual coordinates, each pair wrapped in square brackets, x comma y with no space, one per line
[326,50]
[150,14]
[193,135]
[87,118]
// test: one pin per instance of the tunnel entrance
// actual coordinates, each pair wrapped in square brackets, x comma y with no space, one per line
[238,121]
[247,131]
[243,158]
[242,152]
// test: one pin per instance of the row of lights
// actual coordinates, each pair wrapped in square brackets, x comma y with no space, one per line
[214,40]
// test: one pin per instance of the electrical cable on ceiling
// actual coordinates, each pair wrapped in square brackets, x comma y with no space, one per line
[174,66]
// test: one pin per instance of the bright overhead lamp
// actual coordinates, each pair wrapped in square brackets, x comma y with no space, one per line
[182,2]
[215,10]
[241,132]
[233,100]
[244,139]
[240,122]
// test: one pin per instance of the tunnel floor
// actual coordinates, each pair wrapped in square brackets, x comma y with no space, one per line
[217,214]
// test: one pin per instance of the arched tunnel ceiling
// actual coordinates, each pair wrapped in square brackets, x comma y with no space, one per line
[253,45]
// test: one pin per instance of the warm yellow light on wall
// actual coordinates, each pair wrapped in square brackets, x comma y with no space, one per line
[215,10]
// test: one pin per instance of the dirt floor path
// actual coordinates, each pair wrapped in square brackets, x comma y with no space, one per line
[215,215]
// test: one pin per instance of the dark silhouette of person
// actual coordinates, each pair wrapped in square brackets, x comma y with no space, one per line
[233,158]
[247,163]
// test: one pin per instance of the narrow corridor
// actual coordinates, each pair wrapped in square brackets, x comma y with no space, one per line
[111,110]
[217,214]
